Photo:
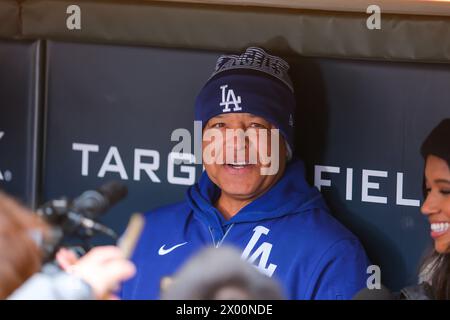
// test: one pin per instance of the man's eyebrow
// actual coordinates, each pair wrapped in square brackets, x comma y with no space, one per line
[442,181]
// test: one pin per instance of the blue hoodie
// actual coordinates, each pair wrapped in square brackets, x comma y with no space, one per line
[287,233]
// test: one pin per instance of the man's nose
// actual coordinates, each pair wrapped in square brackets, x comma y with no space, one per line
[236,138]
[236,145]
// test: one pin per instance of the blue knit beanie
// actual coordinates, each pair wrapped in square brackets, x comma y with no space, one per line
[253,82]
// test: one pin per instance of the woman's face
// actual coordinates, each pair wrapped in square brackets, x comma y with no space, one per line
[437,202]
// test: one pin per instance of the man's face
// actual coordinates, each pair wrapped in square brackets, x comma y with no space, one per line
[242,155]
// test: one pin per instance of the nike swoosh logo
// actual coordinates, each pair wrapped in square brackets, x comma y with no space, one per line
[163,251]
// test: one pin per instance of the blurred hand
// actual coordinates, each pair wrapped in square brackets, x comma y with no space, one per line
[66,258]
[103,268]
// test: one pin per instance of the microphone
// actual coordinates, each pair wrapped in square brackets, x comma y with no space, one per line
[93,203]
[375,294]
[79,214]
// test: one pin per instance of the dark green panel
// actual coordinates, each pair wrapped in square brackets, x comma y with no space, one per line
[9,18]
[232,28]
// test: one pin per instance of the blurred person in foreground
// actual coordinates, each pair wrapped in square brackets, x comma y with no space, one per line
[23,277]
[220,274]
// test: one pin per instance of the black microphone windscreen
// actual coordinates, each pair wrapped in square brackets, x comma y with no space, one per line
[93,203]
[113,191]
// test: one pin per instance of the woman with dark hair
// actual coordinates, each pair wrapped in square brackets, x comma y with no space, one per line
[435,271]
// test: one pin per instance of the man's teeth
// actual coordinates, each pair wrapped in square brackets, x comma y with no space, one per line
[238,165]
[440,227]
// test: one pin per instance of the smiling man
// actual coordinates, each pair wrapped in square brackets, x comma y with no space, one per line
[253,194]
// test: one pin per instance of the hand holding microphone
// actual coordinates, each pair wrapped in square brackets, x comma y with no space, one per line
[103,268]
[77,217]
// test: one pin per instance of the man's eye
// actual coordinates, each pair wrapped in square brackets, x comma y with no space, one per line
[445,192]
[218,125]
[257,125]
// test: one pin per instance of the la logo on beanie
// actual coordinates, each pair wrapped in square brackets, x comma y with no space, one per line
[228,98]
